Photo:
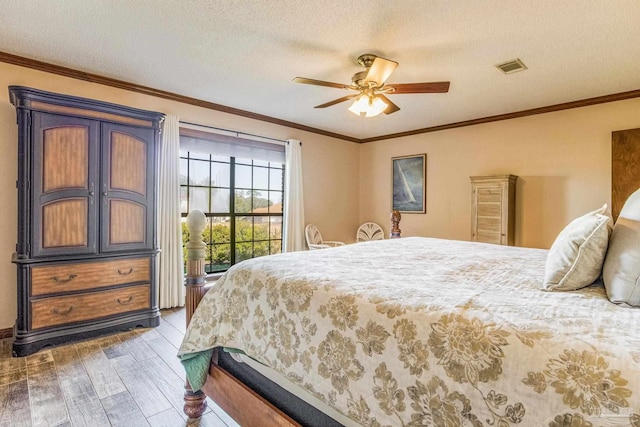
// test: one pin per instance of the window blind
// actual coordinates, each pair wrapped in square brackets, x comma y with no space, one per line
[230,146]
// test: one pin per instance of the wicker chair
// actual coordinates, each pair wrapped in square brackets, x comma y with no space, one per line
[314,239]
[369,231]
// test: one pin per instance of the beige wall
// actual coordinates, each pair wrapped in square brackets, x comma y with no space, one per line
[563,161]
[331,166]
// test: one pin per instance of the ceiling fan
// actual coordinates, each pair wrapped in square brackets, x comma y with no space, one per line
[371,89]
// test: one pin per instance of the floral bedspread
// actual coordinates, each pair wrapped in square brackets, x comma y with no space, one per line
[418,332]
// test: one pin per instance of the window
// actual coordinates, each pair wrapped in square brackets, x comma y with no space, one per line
[241,197]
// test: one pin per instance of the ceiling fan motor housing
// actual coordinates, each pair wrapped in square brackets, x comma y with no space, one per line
[359,77]
[366,60]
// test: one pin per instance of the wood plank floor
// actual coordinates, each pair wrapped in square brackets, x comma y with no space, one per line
[128,379]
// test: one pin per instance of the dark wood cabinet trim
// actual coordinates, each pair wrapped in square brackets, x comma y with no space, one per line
[41,106]
[26,98]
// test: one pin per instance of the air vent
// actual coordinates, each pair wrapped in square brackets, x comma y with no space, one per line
[512,66]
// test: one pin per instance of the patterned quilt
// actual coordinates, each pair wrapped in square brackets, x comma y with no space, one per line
[419,332]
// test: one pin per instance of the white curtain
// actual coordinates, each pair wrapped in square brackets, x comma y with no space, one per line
[170,277]
[293,199]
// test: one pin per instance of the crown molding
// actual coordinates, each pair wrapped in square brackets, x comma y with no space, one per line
[517,114]
[133,87]
[120,84]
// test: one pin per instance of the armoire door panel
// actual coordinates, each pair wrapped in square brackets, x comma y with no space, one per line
[128,195]
[65,202]
[126,222]
[128,163]
[65,224]
[65,158]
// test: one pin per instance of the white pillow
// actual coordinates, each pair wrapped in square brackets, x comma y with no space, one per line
[575,258]
[621,272]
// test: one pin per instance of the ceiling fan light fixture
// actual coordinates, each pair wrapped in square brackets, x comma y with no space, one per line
[368,106]
[370,87]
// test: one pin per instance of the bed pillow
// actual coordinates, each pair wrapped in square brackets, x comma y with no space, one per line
[576,256]
[621,271]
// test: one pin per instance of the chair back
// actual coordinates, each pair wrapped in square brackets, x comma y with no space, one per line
[312,235]
[369,231]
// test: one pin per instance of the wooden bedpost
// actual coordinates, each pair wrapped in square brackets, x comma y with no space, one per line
[194,401]
[395,224]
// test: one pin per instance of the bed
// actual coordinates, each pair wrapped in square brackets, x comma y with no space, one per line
[415,332]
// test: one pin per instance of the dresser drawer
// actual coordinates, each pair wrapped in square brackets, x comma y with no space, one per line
[75,308]
[88,275]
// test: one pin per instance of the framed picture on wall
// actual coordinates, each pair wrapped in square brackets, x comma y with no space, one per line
[409,183]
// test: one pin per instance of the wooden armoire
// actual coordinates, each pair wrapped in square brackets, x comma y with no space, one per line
[86,250]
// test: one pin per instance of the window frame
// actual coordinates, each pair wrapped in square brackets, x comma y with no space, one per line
[232,215]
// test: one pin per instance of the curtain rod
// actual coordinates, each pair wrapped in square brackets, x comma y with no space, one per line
[236,132]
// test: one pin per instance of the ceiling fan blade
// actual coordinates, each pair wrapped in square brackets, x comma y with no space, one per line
[321,83]
[391,107]
[432,87]
[380,71]
[336,101]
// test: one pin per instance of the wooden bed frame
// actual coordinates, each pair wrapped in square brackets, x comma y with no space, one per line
[241,403]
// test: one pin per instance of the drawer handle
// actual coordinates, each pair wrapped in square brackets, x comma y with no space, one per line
[62,313]
[124,273]
[125,302]
[70,278]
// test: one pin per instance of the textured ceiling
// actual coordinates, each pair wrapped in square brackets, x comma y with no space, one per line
[244,54]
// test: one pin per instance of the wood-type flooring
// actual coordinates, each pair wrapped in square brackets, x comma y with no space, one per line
[127,379]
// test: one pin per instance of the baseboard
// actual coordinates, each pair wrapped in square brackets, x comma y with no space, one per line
[6,333]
